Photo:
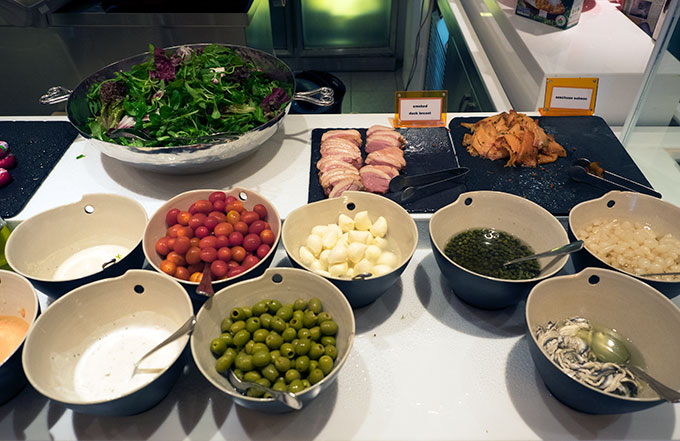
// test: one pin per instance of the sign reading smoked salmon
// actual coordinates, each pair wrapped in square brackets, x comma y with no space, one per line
[426,108]
[570,96]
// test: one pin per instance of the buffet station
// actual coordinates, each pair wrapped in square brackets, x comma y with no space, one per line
[185,260]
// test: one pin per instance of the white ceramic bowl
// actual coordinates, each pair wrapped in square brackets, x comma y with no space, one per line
[157,228]
[402,238]
[512,214]
[613,300]
[18,300]
[66,247]
[662,216]
[82,349]
[285,285]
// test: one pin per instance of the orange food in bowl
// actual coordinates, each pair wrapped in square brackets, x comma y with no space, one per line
[12,331]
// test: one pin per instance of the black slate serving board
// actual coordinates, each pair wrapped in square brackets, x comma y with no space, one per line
[549,185]
[37,146]
[426,150]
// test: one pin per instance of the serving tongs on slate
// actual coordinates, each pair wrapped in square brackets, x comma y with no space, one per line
[591,173]
[416,186]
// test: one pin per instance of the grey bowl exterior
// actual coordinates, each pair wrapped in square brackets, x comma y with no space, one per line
[655,209]
[479,291]
[12,376]
[361,293]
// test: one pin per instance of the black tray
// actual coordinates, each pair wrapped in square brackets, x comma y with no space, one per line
[38,146]
[426,150]
[548,185]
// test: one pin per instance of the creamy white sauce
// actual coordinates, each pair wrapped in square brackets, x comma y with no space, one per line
[104,370]
[89,261]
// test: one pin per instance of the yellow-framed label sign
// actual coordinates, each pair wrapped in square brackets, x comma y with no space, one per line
[569,96]
[423,108]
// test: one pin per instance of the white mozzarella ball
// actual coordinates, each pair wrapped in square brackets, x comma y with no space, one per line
[379,227]
[306,256]
[336,228]
[338,270]
[387,258]
[323,258]
[350,272]
[363,266]
[320,230]
[314,244]
[362,222]
[373,253]
[330,239]
[359,236]
[316,266]
[381,270]
[356,251]
[343,239]
[380,243]
[338,254]
[345,222]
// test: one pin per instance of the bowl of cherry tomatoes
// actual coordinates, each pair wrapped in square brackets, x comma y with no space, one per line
[231,234]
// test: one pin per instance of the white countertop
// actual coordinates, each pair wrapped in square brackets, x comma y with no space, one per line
[424,365]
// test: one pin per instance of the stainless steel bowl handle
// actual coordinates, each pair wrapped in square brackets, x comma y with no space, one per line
[54,95]
[325,96]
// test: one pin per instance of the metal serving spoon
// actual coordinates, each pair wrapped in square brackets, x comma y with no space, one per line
[287,398]
[559,251]
[608,348]
[187,327]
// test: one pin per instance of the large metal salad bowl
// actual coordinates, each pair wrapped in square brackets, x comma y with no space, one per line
[196,157]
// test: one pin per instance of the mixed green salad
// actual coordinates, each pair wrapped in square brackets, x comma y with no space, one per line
[186,94]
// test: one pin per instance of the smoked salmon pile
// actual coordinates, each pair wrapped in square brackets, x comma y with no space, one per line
[514,136]
[341,167]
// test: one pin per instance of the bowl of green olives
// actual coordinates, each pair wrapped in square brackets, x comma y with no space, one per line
[474,236]
[289,330]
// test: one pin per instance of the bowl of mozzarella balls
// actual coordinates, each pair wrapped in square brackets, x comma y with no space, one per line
[633,233]
[361,242]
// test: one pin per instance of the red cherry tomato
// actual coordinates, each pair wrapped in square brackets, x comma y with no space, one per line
[249,217]
[229,199]
[241,227]
[162,247]
[267,237]
[219,269]
[261,210]
[176,258]
[233,264]
[221,217]
[197,220]
[219,205]
[224,254]
[196,267]
[216,196]
[183,218]
[172,231]
[192,208]
[235,271]
[204,206]
[182,245]
[195,241]
[171,242]
[207,242]
[223,229]
[168,267]
[208,254]
[250,261]
[233,216]
[202,232]
[210,223]
[256,227]
[238,253]
[182,273]
[236,206]
[185,231]
[235,239]
[171,217]
[193,255]
[251,242]
[262,251]
[221,241]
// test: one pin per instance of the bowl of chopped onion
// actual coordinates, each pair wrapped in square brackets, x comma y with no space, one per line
[630,232]
[359,241]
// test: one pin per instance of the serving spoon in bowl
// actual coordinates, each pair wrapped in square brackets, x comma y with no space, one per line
[608,348]
[287,398]
[187,327]
[559,251]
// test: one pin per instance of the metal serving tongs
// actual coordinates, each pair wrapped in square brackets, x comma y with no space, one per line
[591,173]
[416,186]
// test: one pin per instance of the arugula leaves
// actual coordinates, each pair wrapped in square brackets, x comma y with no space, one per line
[213,90]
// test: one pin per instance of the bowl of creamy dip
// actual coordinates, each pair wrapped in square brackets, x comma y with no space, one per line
[19,308]
[81,352]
